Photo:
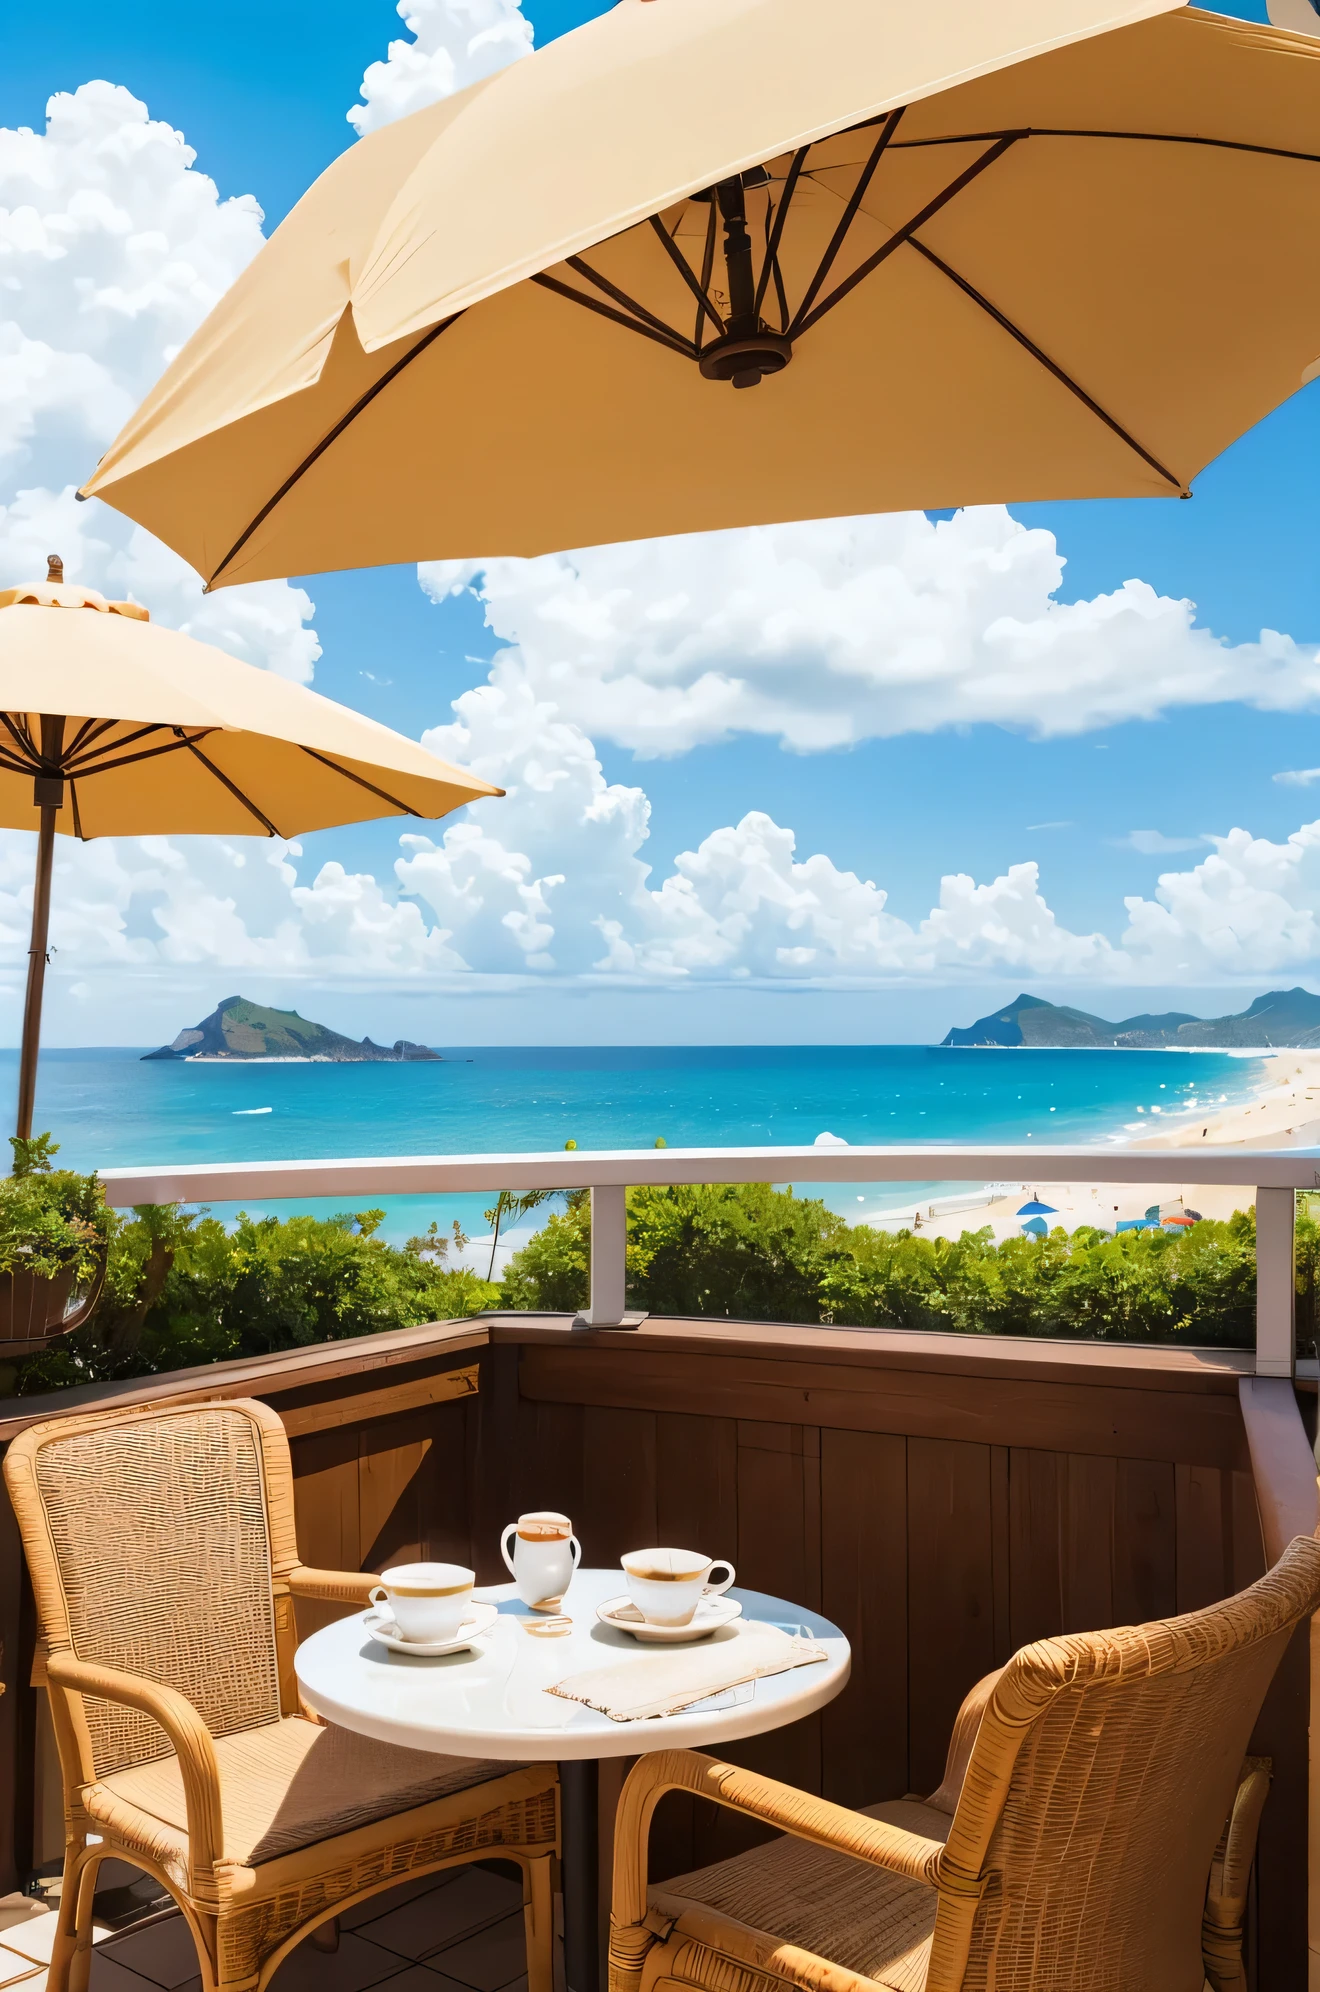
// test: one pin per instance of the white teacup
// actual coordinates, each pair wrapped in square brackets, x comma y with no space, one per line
[667,1585]
[545,1554]
[427,1601]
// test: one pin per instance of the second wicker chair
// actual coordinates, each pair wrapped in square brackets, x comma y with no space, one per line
[1070,1845]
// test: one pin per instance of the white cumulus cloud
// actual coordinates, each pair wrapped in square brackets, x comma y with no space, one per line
[557,877]
[1252,907]
[207,902]
[825,633]
[557,881]
[113,247]
[455,43]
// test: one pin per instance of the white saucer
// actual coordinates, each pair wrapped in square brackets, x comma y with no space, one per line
[480,1619]
[709,1616]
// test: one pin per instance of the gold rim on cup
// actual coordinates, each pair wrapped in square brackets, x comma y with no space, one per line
[403,1589]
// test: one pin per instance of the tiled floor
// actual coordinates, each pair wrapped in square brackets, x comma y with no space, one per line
[460,1931]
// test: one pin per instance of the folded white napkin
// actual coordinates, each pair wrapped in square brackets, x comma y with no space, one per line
[665,1683]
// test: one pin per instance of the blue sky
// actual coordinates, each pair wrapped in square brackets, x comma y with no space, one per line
[261,93]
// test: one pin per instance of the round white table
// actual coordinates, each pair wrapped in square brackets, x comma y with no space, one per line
[492,1702]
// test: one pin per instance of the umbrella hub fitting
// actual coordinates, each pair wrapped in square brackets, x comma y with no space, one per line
[746,350]
[745,360]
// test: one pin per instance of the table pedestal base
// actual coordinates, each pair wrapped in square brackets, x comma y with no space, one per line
[579,1801]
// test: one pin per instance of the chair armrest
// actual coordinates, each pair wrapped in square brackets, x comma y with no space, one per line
[1230,1876]
[336,1587]
[780,1805]
[189,1738]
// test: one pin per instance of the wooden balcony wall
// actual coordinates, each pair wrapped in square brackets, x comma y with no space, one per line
[943,1499]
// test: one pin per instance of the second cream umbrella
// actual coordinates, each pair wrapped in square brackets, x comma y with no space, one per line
[113,726]
[959,252]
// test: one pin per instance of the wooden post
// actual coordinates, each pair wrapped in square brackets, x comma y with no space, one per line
[1275,1283]
[1283,1469]
[48,794]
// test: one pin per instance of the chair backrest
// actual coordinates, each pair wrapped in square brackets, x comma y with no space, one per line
[1096,1791]
[157,1541]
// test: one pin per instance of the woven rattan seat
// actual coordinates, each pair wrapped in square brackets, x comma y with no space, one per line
[1078,1840]
[283,1786]
[164,1562]
[876,1924]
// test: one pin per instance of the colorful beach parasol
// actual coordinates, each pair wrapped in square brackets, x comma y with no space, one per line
[958,253]
[111,725]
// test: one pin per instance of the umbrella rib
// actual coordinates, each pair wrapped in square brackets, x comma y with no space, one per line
[584,269]
[1050,366]
[905,233]
[802,318]
[26,760]
[22,740]
[362,403]
[362,782]
[680,262]
[145,754]
[74,762]
[777,231]
[707,265]
[77,813]
[90,729]
[782,297]
[233,787]
[1135,137]
[672,340]
[23,735]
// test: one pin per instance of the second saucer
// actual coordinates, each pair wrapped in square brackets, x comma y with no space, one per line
[710,1615]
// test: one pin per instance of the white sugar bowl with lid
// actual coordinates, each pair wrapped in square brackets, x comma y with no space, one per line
[544,1556]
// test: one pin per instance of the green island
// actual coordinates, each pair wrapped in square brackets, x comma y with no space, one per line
[1282,1017]
[240,1029]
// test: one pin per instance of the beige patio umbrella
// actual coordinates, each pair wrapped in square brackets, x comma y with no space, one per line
[963,252]
[113,726]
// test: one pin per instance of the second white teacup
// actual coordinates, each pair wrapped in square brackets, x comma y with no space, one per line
[667,1585]
[427,1601]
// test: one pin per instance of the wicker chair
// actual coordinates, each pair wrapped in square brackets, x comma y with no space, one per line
[1069,1846]
[163,1557]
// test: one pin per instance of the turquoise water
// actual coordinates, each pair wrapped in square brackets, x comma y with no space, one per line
[109,1109]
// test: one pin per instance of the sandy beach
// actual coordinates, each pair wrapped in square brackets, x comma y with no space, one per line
[1283,1112]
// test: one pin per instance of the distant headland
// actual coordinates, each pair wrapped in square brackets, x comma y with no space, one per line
[239,1030]
[1283,1018]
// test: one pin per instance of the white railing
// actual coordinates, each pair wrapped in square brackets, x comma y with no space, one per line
[1270,1177]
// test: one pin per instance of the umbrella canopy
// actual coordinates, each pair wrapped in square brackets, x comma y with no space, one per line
[1037,1209]
[162,733]
[963,253]
[1036,1227]
[113,726]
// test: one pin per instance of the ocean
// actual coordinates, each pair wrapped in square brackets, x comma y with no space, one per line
[108,1109]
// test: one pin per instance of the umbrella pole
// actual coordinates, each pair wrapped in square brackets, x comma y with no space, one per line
[36,975]
[50,798]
